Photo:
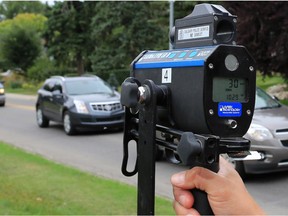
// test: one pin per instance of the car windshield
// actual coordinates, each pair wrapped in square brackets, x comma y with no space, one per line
[264,101]
[87,86]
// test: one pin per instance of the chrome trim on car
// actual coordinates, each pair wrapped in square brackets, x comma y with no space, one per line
[282,164]
[106,106]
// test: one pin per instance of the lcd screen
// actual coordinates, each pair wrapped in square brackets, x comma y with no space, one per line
[229,89]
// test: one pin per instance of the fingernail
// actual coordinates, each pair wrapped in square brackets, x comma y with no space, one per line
[178,178]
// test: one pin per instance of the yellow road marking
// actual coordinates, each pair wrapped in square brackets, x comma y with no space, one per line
[26,107]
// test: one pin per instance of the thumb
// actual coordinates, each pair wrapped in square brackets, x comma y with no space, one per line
[197,177]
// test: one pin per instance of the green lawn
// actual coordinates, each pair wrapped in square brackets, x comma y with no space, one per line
[266,82]
[32,185]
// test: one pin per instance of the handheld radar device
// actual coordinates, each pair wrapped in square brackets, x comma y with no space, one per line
[211,80]
[196,100]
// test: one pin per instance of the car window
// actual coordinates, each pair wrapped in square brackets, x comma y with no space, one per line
[264,101]
[57,87]
[49,86]
[87,86]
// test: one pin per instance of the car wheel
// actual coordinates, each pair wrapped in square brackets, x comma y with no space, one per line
[42,120]
[68,126]
[238,165]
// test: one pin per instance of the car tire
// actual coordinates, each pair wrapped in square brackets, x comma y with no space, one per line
[42,120]
[67,124]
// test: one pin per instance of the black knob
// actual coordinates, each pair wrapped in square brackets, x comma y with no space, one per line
[188,148]
[129,94]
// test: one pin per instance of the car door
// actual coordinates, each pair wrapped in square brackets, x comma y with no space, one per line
[58,101]
[45,97]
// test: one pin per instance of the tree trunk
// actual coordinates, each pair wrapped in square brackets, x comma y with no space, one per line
[80,64]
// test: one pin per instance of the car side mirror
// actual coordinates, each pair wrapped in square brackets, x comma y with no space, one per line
[276,98]
[57,93]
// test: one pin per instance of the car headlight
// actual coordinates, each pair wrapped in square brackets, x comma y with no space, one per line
[259,132]
[80,106]
[2,91]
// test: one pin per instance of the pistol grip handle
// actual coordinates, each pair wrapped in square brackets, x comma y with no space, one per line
[201,203]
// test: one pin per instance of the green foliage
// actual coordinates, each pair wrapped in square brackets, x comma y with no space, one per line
[14,81]
[263,29]
[32,21]
[10,9]
[20,47]
[44,68]
[265,82]
[184,8]
[105,36]
[123,30]
[68,33]
[16,84]
[31,185]
[20,42]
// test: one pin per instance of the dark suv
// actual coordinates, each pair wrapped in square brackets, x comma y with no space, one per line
[79,102]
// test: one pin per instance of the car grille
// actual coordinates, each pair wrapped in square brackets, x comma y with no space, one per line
[106,107]
[282,130]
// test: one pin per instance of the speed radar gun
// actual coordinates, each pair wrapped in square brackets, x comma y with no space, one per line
[196,101]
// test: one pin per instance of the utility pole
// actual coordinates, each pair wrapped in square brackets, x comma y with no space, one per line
[171,20]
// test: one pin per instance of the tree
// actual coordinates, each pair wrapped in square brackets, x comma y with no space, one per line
[67,34]
[263,29]
[20,47]
[10,9]
[20,42]
[121,31]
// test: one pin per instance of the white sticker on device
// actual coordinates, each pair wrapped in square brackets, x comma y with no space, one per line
[166,75]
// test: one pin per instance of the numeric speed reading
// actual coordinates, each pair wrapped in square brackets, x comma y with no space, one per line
[229,89]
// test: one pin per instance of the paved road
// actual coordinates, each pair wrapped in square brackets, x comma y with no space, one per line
[101,154]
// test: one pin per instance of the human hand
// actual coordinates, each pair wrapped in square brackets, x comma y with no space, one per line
[225,190]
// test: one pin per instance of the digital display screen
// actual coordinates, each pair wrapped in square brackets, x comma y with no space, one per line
[229,89]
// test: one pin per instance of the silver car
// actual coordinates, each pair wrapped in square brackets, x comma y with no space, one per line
[268,134]
[2,95]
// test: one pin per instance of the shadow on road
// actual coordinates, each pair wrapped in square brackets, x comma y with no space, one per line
[85,132]
[266,178]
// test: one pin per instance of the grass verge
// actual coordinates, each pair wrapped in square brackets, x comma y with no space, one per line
[31,185]
[266,82]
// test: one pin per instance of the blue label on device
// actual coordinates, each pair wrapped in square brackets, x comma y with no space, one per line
[229,109]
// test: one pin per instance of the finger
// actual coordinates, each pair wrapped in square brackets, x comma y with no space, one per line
[228,171]
[197,177]
[184,197]
[180,210]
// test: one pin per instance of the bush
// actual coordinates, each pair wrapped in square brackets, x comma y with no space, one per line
[14,84]
[45,68]
[40,70]
[14,81]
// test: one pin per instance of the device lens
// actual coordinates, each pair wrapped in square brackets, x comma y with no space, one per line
[231,62]
[225,31]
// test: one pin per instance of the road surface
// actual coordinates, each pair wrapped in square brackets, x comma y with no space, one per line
[101,154]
